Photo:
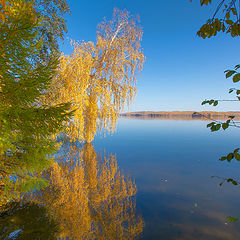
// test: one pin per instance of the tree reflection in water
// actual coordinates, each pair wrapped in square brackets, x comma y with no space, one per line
[89,197]
[27,221]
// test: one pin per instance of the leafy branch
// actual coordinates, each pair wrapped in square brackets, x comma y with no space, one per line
[228,21]
[217,125]
[235,183]
[228,180]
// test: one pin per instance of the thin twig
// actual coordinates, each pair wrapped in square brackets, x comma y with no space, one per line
[219,6]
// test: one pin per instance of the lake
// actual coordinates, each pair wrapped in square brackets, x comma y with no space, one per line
[151,179]
[177,171]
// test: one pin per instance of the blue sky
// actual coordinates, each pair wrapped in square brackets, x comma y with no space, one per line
[181,69]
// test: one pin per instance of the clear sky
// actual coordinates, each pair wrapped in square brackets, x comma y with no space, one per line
[181,69]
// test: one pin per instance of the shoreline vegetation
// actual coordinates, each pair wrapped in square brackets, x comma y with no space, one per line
[182,115]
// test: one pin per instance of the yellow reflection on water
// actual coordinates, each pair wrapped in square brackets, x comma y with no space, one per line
[90,197]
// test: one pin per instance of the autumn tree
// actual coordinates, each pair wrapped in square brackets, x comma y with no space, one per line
[26,125]
[99,78]
[89,197]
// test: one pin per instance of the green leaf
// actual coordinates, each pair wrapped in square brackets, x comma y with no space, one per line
[229,73]
[232,219]
[223,158]
[237,66]
[210,124]
[230,157]
[213,128]
[236,77]
[215,103]
[225,126]
[230,90]
[236,150]
[218,126]
[237,156]
[234,11]
[205,2]
[230,22]
[223,28]
[230,180]
[234,183]
[227,15]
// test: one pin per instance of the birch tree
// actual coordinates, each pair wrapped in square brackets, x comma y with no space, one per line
[99,78]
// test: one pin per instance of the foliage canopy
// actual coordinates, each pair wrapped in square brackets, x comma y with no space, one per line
[225,19]
[27,126]
[99,79]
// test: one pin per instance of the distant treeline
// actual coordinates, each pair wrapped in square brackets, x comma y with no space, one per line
[180,115]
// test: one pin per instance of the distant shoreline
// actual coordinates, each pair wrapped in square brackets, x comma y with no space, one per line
[182,115]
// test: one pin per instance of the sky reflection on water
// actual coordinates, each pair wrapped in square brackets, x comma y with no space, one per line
[92,192]
[173,163]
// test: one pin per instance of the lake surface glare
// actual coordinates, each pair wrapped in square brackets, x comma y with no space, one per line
[176,167]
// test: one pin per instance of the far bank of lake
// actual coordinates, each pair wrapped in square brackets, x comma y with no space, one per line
[182,115]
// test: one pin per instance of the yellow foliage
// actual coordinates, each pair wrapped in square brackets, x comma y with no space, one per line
[99,79]
[10,8]
[90,198]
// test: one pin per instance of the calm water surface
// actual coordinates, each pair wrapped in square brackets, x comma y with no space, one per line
[177,172]
[174,166]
